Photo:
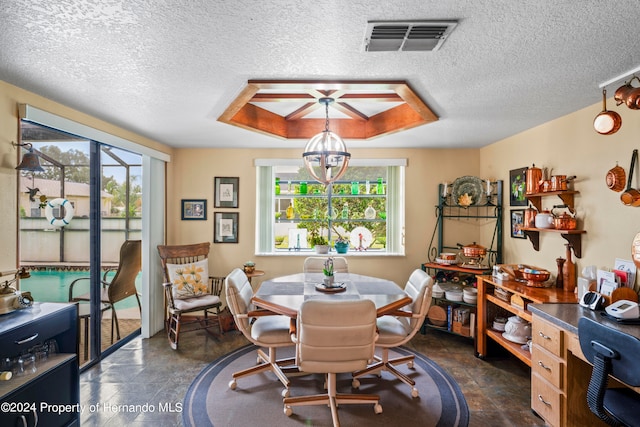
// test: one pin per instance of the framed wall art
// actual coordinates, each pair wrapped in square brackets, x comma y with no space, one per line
[194,209]
[518,187]
[517,222]
[226,192]
[225,227]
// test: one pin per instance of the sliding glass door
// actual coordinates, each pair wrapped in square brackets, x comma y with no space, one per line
[75,215]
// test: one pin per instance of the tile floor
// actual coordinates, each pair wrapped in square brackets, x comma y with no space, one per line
[147,371]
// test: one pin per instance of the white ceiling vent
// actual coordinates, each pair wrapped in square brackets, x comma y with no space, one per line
[390,36]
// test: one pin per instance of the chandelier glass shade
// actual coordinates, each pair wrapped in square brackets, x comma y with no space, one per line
[325,155]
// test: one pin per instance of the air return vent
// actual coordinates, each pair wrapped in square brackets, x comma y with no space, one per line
[389,36]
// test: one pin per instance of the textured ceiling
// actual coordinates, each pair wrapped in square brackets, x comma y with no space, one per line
[168,69]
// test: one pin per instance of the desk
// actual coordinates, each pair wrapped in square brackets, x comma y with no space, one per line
[563,380]
[284,295]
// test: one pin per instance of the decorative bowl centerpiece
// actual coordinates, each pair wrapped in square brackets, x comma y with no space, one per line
[249,267]
[536,278]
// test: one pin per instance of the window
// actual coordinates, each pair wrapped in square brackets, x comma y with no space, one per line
[365,208]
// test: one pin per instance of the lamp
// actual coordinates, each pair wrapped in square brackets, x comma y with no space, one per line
[30,160]
[325,156]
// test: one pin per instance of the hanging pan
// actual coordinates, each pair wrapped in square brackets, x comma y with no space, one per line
[607,122]
[615,178]
[631,196]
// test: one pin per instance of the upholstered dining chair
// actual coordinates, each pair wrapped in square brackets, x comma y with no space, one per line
[334,337]
[121,286]
[189,289]
[397,329]
[262,328]
[315,264]
[611,352]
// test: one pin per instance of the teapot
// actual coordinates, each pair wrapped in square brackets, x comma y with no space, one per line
[544,219]
[564,221]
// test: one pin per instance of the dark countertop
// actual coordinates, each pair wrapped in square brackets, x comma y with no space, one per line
[567,316]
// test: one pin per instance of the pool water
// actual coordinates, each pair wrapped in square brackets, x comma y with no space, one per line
[53,286]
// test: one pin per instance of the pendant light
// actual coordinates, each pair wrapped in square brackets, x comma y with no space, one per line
[30,160]
[325,155]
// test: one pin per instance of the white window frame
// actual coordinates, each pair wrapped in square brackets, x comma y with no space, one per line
[265,200]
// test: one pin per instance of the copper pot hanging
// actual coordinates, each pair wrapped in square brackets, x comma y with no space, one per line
[615,178]
[607,122]
[631,196]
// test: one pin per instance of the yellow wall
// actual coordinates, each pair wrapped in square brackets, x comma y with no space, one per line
[195,170]
[570,146]
[10,97]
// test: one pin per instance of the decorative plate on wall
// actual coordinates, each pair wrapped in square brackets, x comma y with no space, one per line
[467,191]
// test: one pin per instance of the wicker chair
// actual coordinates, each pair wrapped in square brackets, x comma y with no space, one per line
[121,286]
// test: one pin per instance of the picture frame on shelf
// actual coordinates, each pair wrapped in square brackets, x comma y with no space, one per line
[225,227]
[518,187]
[226,191]
[194,209]
[517,222]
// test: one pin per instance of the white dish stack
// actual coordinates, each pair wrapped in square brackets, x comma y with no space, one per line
[470,295]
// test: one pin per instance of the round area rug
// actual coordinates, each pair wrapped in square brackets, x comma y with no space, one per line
[257,399]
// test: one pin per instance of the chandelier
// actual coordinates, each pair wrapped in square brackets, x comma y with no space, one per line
[325,155]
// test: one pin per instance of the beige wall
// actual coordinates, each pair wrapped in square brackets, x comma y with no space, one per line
[194,171]
[570,146]
[10,97]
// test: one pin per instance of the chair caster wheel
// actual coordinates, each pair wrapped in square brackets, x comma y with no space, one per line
[410,365]
[285,393]
[233,384]
[414,392]
[377,408]
[355,383]
[288,411]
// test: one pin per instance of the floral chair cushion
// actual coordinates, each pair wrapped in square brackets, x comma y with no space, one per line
[189,280]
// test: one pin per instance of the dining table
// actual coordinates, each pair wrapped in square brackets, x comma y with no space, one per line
[284,295]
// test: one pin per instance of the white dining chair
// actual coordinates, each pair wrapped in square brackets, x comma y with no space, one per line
[397,329]
[315,264]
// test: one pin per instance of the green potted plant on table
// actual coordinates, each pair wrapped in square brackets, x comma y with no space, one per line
[329,278]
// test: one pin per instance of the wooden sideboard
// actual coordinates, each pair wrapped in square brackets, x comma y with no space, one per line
[490,305]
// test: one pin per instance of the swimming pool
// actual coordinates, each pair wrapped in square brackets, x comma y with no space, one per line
[52,285]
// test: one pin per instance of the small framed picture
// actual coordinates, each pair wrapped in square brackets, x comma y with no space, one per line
[226,192]
[194,209]
[225,227]
[518,187]
[517,222]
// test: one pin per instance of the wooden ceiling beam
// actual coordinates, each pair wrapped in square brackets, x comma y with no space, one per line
[410,112]
[254,118]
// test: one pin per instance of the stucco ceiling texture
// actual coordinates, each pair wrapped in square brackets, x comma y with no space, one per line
[168,69]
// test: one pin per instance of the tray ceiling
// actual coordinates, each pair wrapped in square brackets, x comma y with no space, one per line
[361,110]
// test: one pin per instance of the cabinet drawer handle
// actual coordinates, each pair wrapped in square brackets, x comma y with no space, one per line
[541,399]
[546,337]
[26,340]
[543,366]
